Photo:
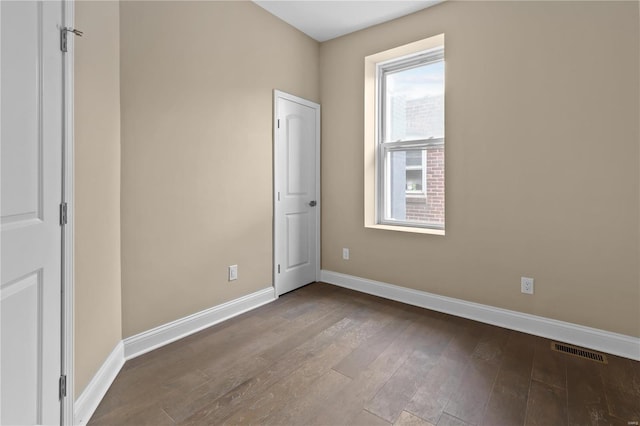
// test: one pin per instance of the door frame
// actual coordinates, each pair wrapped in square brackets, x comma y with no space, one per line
[277,233]
[67,409]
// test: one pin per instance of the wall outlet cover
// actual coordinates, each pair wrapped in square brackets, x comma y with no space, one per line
[526,285]
[233,272]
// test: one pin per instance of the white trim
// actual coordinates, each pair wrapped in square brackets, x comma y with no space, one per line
[601,340]
[67,404]
[278,94]
[152,339]
[91,396]
[0,203]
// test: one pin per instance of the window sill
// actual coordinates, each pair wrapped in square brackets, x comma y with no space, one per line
[414,230]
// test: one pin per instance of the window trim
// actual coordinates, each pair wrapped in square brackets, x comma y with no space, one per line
[421,51]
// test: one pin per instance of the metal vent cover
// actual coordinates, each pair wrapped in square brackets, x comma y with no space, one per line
[579,352]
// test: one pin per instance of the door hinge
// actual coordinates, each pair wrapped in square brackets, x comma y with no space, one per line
[62,386]
[63,214]
[278,268]
[64,34]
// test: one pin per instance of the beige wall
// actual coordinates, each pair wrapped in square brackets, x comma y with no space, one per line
[542,160]
[196,86]
[542,163]
[97,188]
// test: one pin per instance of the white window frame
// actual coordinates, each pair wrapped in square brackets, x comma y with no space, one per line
[429,50]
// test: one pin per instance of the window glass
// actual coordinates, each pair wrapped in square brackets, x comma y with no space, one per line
[414,103]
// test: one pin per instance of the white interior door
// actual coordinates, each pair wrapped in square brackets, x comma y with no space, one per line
[31,175]
[296,192]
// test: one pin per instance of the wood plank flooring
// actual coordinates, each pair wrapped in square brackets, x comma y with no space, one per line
[323,355]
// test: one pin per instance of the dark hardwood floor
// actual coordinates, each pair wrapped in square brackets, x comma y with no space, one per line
[323,355]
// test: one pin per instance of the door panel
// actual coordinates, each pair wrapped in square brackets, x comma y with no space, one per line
[21,337]
[20,197]
[296,178]
[297,240]
[297,156]
[31,151]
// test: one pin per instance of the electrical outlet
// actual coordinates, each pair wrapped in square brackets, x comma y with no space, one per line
[233,272]
[345,254]
[526,285]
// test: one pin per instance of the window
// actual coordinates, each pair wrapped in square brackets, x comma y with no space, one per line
[404,124]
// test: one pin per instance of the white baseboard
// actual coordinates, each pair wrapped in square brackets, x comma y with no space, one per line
[152,339]
[91,396]
[605,341]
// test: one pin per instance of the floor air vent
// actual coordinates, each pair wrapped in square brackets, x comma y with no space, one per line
[579,352]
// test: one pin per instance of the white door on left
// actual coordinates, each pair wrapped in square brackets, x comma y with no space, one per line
[31,180]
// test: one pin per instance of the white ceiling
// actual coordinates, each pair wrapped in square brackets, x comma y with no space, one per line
[327,19]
